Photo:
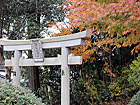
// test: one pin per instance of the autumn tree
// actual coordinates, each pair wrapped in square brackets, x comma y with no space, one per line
[119,18]
[114,42]
[113,23]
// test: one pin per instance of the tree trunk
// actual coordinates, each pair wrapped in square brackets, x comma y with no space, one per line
[8,69]
[1,17]
[33,76]
[110,66]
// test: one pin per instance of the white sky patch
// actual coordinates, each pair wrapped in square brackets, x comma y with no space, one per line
[54,30]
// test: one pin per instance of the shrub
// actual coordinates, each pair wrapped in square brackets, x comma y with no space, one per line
[135,99]
[128,82]
[12,95]
[134,73]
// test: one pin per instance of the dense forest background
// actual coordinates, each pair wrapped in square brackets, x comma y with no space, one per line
[111,56]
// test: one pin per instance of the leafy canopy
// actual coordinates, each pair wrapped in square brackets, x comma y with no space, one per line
[120,17]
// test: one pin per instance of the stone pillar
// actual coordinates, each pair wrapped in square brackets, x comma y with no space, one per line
[65,85]
[16,68]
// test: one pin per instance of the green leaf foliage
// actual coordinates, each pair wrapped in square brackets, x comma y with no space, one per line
[135,99]
[26,19]
[12,95]
[134,73]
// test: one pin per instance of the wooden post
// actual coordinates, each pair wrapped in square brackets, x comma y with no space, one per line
[65,85]
[16,71]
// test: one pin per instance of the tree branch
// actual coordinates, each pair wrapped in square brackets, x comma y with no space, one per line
[20,24]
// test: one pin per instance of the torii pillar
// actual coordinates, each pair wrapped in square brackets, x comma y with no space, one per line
[65,84]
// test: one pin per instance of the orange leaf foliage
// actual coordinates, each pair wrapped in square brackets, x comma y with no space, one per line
[120,16]
[112,16]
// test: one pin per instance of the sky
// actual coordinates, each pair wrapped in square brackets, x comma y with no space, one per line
[53,30]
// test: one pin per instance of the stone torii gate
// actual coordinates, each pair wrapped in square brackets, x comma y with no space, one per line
[37,46]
